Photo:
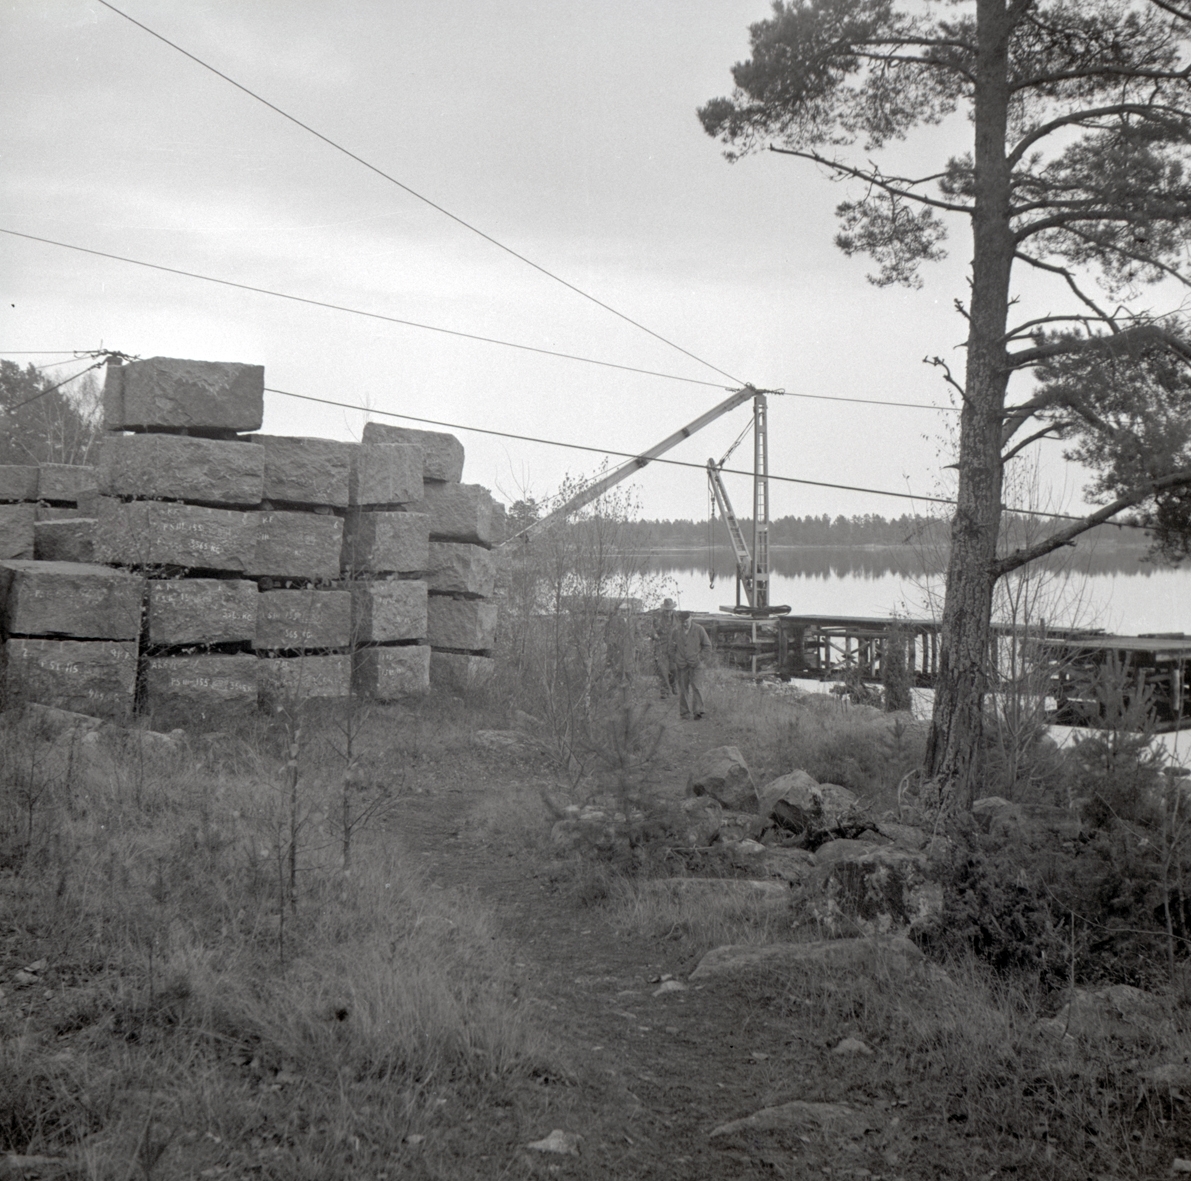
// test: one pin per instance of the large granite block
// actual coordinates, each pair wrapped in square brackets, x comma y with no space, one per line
[388,674]
[388,610]
[460,671]
[70,539]
[460,512]
[306,471]
[16,530]
[96,677]
[201,611]
[298,620]
[300,678]
[386,543]
[148,533]
[442,454]
[18,482]
[199,690]
[66,483]
[297,545]
[455,567]
[468,625]
[179,467]
[386,474]
[167,393]
[70,599]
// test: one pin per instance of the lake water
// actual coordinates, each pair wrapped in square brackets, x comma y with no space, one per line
[1114,591]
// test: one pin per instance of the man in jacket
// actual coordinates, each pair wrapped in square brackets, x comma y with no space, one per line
[663,625]
[689,644]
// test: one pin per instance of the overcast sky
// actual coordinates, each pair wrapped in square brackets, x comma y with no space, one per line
[567,132]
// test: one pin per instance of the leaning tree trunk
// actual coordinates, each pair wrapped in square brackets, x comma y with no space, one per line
[954,742]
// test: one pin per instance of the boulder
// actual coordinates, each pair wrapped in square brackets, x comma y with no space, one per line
[1034,823]
[96,677]
[1120,1011]
[460,672]
[442,454]
[894,953]
[467,625]
[801,805]
[457,568]
[148,533]
[302,471]
[905,836]
[801,1118]
[303,678]
[297,545]
[173,394]
[201,611]
[17,482]
[74,599]
[70,540]
[794,866]
[385,543]
[16,530]
[385,474]
[200,691]
[389,674]
[66,483]
[735,890]
[302,620]
[877,890]
[178,467]
[460,512]
[387,610]
[722,774]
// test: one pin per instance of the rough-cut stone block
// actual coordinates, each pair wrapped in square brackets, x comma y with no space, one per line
[460,512]
[301,620]
[178,467]
[172,394]
[388,674]
[306,471]
[66,483]
[70,599]
[16,530]
[57,512]
[297,545]
[20,483]
[386,543]
[200,611]
[386,473]
[148,533]
[461,569]
[299,678]
[442,454]
[459,671]
[95,677]
[199,690]
[69,540]
[468,625]
[392,609]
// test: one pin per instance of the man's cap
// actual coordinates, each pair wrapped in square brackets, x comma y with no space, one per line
[668,604]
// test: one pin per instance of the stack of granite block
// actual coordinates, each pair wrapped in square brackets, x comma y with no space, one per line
[70,632]
[47,512]
[463,525]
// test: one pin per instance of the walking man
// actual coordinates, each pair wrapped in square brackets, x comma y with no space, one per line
[688,644]
[663,625]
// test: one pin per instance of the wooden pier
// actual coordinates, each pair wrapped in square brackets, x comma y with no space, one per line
[1066,663]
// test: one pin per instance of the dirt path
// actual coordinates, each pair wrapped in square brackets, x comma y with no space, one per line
[650,1075]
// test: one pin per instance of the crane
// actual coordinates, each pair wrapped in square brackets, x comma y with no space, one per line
[752,568]
[596,489]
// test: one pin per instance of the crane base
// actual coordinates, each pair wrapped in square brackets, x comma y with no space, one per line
[755,612]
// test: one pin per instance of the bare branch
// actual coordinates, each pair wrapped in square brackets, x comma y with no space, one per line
[872,178]
[939,363]
[1144,110]
[1173,9]
[1054,269]
[1022,330]
[1053,428]
[1120,342]
[1063,537]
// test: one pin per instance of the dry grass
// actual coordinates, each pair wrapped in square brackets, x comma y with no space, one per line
[191,1014]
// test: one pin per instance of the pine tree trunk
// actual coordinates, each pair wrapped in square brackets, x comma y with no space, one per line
[954,742]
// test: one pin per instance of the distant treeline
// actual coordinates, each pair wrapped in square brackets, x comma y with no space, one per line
[869,529]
